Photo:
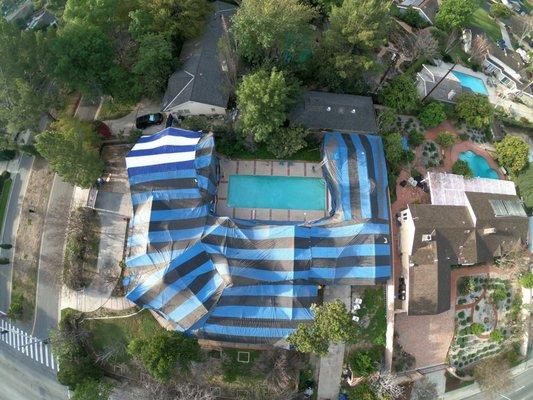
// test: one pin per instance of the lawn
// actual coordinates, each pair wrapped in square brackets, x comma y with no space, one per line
[483,21]
[4,197]
[116,333]
[112,109]
[524,181]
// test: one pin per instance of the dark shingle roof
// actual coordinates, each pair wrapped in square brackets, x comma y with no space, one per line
[346,112]
[456,239]
[202,79]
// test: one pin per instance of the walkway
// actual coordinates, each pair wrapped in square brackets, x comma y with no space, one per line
[505,35]
[330,365]
[98,294]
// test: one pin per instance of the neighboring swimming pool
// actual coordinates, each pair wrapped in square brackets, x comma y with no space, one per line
[479,166]
[471,82]
[276,192]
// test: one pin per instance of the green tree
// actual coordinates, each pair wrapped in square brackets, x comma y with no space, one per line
[499,10]
[357,28]
[512,153]
[454,14]
[475,109]
[264,98]
[499,294]
[72,147]
[163,352]
[445,140]
[432,114]
[93,389]
[25,82]
[109,15]
[461,167]
[287,141]
[393,146]
[527,280]
[155,62]
[365,362]
[84,58]
[177,20]
[332,324]
[400,94]
[272,29]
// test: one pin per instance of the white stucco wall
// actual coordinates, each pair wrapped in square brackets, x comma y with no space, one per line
[195,108]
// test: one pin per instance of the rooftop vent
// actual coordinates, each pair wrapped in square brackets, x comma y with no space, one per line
[488,231]
[353,111]
[426,238]
[328,108]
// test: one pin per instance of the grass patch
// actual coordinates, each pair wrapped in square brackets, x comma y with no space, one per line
[113,335]
[4,197]
[524,181]
[373,309]
[113,109]
[481,20]
[81,253]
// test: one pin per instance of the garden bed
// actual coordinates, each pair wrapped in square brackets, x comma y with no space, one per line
[81,252]
[431,154]
[113,109]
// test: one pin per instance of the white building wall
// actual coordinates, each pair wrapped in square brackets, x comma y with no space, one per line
[195,108]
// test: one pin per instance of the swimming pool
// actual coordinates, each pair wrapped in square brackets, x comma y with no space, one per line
[479,166]
[277,192]
[473,83]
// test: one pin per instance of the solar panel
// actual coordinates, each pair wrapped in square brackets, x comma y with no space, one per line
[507,208]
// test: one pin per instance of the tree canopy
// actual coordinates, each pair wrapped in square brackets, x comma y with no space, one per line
[445,139]
[432,114]
[400,94]
[461,167]
[475,109]
[393,146]
[512,153]
[357,28]
[72,147]
[454,14]
[275,30]
[332,324]
[284,142]
[163,352]
[264,98]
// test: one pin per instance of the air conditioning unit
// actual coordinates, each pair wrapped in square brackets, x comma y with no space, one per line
[426,238]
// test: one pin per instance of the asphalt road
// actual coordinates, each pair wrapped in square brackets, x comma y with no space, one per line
[51,259]
[23,379]
[18,189]
[522,389]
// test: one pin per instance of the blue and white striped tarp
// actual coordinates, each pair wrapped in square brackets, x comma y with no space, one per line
[248,281]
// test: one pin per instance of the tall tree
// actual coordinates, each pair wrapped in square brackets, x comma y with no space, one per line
[479,49]
[475,109]
[72,147]
[454,14]
[26,90]
[512,152]
[272,29]
[264,98]
[110,15]
[400,94]
[155,62]
[84,58]
[357,28]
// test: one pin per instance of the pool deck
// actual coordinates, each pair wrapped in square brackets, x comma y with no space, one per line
[269,168]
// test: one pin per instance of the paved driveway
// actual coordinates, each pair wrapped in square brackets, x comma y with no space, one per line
[127,123]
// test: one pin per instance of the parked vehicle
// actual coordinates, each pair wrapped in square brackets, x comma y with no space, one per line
[144,121]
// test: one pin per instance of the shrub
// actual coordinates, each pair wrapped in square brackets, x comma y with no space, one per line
[496,335]
[499,294]
[477,329]
[466,285]
[446,140]
[416,138]
[475,109]
[365,362]
[432,114]
[499,10]
[16,307]
[461,167]
[461,314]
[527,280]
[134,135]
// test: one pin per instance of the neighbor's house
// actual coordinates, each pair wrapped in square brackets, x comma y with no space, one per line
[469,221]
[201,87]
[334,112]
[430,76]
[427,9]
[509,69]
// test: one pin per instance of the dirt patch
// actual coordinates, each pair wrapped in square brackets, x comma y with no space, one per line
[30,231]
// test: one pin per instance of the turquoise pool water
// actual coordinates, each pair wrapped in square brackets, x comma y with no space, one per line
[277,192]
[479,166]
[471,82]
